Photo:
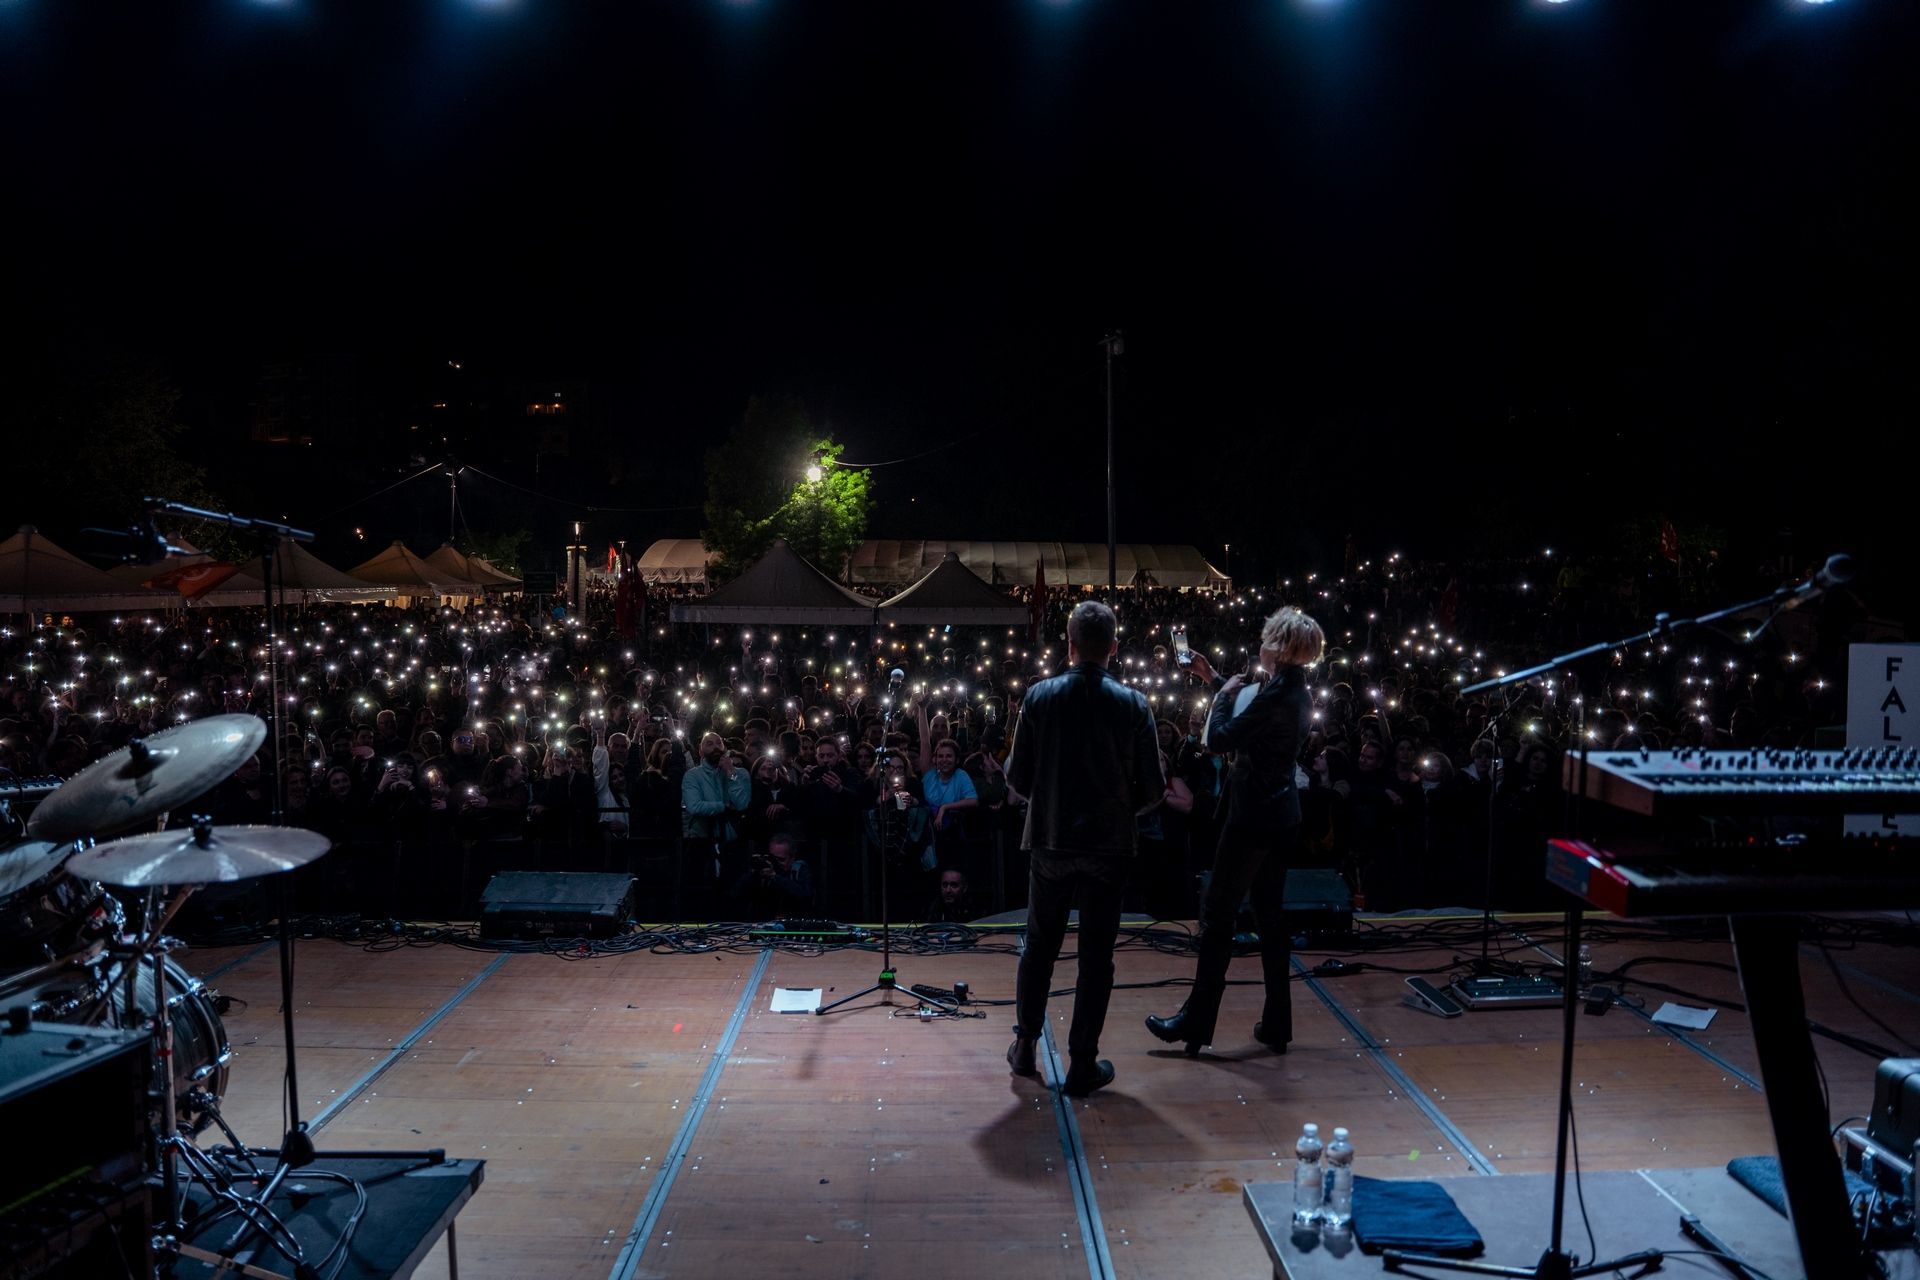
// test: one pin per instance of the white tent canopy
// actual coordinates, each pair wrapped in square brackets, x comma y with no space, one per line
[37,575]
[675,560]
[1077,564]
[780,587]
[949,594]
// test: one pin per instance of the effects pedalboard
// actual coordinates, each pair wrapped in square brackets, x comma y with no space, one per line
[799,930]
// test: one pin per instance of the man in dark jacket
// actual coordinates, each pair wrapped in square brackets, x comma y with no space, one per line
[1085,757]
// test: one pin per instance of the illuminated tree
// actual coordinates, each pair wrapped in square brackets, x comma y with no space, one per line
[777,476]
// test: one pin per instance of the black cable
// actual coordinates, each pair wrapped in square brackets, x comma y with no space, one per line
[327,515]
[1579,1191]
[1847,991]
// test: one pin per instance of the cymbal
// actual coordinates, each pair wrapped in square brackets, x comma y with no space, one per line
[27,861]
[148,777]
[211,855]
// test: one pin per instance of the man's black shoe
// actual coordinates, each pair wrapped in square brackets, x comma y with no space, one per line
[1020,1056]
[1259,1033]
[1079,1084]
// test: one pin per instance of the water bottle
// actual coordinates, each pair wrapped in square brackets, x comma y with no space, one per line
[1339,1210]
[1307,1177]
[1586,969]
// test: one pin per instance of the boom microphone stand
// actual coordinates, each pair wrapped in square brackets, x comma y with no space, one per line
[891,837]
[296,1146]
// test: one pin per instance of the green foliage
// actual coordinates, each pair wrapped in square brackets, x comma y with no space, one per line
[757,491]
[99,435]
[501,550]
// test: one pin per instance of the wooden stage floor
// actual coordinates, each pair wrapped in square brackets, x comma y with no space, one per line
[646,1115]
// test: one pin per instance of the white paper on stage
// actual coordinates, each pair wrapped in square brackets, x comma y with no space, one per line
[1684,1015]
[795,999]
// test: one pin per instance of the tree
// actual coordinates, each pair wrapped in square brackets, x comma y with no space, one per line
[760,487]
[98,433]
[501,550]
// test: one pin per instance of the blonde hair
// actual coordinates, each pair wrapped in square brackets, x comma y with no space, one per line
[1297,637]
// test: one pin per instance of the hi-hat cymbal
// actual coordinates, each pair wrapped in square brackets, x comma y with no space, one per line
[148,777]
[212,855]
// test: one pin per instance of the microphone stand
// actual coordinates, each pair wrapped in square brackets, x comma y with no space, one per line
[296,1146]
[1557,1263]
[890,836]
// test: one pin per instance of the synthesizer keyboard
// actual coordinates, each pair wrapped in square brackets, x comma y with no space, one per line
[1836,873]
[1663,784]
[24,792]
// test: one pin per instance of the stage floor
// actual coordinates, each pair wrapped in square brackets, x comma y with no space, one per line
[646,1115]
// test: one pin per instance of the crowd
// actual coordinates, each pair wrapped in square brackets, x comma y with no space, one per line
[762,772]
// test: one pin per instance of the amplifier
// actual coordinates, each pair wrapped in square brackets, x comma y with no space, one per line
[1895,1122]
[74,1101]
[555,904]
[1318,904]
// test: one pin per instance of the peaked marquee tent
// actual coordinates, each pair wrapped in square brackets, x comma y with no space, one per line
[37,575]
[780,587]
[470,568]
[409,575]
[949,593]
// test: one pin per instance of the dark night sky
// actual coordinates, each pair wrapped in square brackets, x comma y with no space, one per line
[1486,261]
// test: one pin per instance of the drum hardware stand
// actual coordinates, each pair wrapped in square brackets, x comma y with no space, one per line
[890,838]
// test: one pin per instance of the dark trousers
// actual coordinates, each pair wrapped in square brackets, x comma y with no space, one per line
[1057,883]
[1246,862]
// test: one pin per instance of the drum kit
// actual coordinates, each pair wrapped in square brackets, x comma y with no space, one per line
[78,958]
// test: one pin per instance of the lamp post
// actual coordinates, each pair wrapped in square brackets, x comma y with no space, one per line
[1115,346]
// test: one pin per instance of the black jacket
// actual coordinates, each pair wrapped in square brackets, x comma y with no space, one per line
[1085,757]
[1265,741]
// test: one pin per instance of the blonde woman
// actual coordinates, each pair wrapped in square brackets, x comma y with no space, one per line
[1261,823]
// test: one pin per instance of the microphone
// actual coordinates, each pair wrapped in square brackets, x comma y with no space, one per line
[1836,572]
[893,681]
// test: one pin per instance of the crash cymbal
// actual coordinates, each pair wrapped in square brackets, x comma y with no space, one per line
[148,777]
[27,861]
[203,855]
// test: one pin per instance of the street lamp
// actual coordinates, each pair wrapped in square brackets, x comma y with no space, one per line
[1114,346]
[813,474]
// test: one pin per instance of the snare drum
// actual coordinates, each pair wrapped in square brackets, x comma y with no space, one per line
[200,1049]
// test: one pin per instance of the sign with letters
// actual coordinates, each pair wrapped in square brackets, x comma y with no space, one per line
[1883,710]
[540,584]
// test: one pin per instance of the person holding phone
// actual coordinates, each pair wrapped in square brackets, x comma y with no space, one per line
[1260,824]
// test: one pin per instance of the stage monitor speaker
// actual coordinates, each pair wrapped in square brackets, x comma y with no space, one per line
[1318,904]
[555,904]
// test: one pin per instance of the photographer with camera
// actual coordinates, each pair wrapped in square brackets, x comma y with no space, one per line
[775,884]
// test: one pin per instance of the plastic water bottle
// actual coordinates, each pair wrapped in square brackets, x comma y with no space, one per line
[1339,1211]
[1307,1185]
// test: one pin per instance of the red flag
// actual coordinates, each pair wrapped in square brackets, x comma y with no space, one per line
[194,580]
[1037,611]
[1669,540]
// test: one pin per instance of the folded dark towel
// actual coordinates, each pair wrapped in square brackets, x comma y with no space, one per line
[1420,1216]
